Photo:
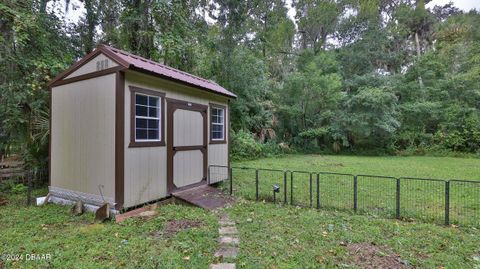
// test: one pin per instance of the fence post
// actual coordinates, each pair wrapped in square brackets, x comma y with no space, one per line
[398,199]
[311,200]
[355,193]
[447,202]
[29,190]
[285,187]
[230,174]
[318,191]
[256,184]
[291,188]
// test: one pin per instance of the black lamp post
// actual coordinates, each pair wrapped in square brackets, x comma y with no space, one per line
[276,189]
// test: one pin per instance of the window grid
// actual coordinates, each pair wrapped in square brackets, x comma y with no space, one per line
[218,123]
[147,116]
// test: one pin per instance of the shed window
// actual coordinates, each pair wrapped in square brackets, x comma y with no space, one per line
[217,118]
[147,118]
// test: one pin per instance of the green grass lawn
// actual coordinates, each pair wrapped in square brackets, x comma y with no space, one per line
[275,236]
[415,166]
[77,242]
[422,200]
[271,235]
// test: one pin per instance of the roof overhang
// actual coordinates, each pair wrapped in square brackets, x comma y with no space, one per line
[122,65]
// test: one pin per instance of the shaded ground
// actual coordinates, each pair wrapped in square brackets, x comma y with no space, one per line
[174,226]
[369,256]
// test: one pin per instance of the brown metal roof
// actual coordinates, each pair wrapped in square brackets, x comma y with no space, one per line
[141,64]
[163,70]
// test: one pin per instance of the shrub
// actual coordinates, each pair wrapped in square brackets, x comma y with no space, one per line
[244,147]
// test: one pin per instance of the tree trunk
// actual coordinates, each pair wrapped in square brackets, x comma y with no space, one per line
[417,43]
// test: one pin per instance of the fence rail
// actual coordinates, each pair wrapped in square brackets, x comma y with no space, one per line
[408,198]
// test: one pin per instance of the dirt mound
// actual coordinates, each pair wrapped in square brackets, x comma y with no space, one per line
[3,201]
[174,226]
[367,255]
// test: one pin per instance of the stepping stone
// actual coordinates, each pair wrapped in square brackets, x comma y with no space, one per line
[226,223]
[224,217]
[227,252]
[223,266]
[229,240]
[227,230]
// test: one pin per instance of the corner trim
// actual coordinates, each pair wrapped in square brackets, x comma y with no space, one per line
[119,139]
[50,137]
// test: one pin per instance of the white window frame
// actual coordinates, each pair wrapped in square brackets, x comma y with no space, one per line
[218,124]
[159,111]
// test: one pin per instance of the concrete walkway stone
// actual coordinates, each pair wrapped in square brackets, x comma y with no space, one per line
[228,241]
[227,252]
[227,230]
[223,266]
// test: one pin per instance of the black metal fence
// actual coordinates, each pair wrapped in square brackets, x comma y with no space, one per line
[24,181]
[407,198]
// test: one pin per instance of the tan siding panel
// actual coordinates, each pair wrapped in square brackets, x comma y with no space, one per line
[146,168]
[91,66]
[188,128]
[187,167]
[83,135]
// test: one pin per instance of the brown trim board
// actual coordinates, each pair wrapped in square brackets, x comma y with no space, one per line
[161,95]
[229,136]
[119,139]
[50,137]
[100,49]
[88,76]
[172,105]
[224,140]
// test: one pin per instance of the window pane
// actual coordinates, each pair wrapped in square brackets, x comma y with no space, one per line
[153,124]
[153,134]
[217,115]
[141,99]
[141,111]
[153,101]
[152,112]
[141,123]
[141,134]
[217,128]
[217,135]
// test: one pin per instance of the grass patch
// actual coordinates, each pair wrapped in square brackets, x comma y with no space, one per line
[419,200]
[395,166]
[274,236]
[77,242]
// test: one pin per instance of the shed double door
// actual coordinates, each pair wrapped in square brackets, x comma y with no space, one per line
[186,144]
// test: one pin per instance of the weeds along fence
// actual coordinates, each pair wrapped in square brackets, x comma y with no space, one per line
[411,199]
[23,181]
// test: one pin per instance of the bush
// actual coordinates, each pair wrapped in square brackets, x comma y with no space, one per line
[245,147]
[19,188]
[11,186]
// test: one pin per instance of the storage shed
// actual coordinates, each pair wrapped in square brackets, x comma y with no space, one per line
[127,130]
